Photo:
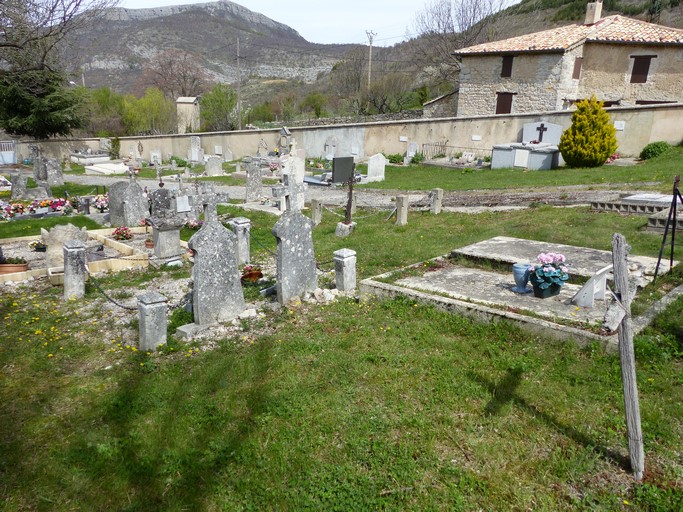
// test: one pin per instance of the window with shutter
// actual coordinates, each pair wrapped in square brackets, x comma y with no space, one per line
[578,62]
[506,71]
[641,68]
[504,102]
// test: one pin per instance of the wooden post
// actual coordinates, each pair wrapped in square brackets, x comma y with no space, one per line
[627,358]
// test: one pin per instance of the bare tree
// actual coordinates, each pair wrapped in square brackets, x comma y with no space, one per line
[448,25]
[176,73]
[31,30]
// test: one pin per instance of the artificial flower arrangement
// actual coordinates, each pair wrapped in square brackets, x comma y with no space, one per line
[551,269]
[122,233]
[101,201]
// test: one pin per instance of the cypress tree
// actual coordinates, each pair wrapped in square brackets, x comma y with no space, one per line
[591,139]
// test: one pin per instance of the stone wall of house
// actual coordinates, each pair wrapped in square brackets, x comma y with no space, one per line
[534,82]
[607,73]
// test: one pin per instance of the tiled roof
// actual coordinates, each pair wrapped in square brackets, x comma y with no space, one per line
[617,29]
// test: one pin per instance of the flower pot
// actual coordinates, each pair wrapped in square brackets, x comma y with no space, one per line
[149,244]
[11,268]
[544,293]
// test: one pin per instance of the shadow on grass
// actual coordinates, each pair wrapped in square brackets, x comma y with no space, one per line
[506,392]
[172,467]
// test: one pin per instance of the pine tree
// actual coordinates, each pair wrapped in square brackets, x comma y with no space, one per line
[591,139]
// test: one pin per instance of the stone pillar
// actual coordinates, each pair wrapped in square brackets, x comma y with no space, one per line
[241,226]
[353,204]
[166,242]
[401,210]
[316,211]
[345,270]
[74,269]
[153,320]
[437,200]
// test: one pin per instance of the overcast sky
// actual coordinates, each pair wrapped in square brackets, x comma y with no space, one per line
[327,21]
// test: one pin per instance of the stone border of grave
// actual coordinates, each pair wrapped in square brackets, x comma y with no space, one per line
[374,286]
[130,258]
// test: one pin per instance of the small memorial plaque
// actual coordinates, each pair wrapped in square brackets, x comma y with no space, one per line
[182,204]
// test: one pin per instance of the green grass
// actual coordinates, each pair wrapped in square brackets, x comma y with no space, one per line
[31,227]
[421,177]
[356,406]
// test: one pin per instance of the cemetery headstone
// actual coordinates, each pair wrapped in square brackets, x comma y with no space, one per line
[296,269]
[155,157]
[214,166]
[55,239]
[345,270]
[19,182]
[127,204]
[217,289]
[152,310]
[228,155]
[196,153]
[293,172]
[254,181]
[53,171]
[40,169]
[241,226]
[74,269]
[166,223]
[376,166]
[401,210]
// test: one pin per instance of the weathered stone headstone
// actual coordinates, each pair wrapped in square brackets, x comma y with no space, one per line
[152,309]
[18,187]
[413,148]
[293,173]
[316,211]
[345,270]
[155,157]
[228,156]
[53,170]
[217,290]
[74,269]
[127,204]
[196,153]
[401,210]
[166,223]
[376,166]
[254,181]
[296,269]
[40,169]
[241,226]
[437,201]
[214,166]
[55,239]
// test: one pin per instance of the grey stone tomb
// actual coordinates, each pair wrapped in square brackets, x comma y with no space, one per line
[296,269]
[217,290]
[537,150]
[127,204]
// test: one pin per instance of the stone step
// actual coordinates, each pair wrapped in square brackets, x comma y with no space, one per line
[626,207]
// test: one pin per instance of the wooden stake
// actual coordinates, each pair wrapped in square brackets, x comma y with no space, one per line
[627,358]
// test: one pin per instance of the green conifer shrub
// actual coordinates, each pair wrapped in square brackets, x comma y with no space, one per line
[654,149]
[591,138]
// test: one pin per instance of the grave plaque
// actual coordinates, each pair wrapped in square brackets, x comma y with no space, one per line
[342,169]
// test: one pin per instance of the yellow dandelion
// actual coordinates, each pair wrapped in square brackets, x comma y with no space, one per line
[50,355]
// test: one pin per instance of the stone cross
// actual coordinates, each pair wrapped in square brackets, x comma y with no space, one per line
[542,128]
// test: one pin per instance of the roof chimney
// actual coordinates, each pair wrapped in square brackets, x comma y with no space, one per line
[593,12]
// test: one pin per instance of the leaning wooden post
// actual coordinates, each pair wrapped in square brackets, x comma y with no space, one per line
[627,358]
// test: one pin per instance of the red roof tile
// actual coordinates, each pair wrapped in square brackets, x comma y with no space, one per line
[618,29]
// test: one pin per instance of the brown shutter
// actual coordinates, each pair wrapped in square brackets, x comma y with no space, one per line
[578,62]
[504,102]
[506,72]
[641,67]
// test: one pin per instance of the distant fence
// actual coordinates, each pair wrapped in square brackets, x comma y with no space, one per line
[7,152]
[441,149]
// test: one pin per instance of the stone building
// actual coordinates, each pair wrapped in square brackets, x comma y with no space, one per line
[187,113]
[620,60]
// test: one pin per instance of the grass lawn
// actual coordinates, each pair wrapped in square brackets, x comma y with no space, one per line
[421,177]
[354,405]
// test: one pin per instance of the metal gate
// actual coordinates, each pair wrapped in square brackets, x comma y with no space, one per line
[7,152]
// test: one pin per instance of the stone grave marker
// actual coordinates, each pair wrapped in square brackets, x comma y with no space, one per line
[218,150]
[254,181]
[155,157]
[376,166]
[55,239]
[296,269]
[196,153]
[19,190]
[217,290]
[127,204]
[166,223]
[214,166]
[105,145]
[228,155]
[293,172]
[40,169]
[53,171]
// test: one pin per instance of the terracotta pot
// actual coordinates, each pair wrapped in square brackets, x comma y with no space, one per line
[11,268]
[149,244]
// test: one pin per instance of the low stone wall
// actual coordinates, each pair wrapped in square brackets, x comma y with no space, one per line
[641,125]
